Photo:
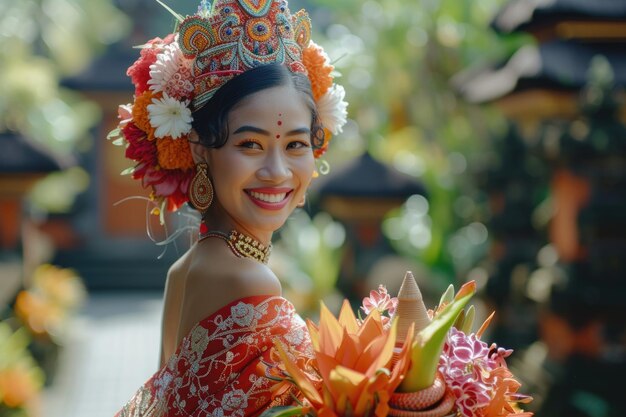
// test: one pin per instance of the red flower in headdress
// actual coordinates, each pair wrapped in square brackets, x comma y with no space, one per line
[171,184]
[139,148]
[139,72]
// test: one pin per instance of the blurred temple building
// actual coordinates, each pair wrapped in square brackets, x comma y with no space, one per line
[557,199]
[359,195]
[113,248]
[22,163]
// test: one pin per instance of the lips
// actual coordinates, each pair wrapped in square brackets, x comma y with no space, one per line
[270,198]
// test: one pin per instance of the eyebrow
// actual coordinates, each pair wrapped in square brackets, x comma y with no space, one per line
[260,131]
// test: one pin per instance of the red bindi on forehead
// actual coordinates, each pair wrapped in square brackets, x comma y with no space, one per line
[279,123]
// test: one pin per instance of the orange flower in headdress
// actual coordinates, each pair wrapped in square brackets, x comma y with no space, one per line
[318,66]
[140,113]
[174,153]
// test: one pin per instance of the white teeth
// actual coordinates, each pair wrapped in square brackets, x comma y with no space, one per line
[268,198]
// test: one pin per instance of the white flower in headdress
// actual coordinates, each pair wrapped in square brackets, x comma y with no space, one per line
[169,117]
[332,109]
[171,72]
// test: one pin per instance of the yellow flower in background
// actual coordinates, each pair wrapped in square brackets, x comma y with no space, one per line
[38,313]
[355,364]
[19,385]
[62,287]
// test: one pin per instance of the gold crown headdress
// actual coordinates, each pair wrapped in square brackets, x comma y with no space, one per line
[179,74]
[239,35]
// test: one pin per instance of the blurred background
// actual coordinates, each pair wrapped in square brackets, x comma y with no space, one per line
[486,141]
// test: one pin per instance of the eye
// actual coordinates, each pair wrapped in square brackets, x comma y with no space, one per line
[298,144]
[249,144]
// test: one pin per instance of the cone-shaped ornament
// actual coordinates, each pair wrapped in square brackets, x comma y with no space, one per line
[411,308]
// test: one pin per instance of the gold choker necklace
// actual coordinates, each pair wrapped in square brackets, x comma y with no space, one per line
[242,245]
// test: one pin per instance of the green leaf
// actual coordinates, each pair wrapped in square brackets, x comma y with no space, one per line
[458,323]
[284,411]
[178,17]
[428,344]
[128,171]
[447,296]
[114,134]
[119,141]
[468,323]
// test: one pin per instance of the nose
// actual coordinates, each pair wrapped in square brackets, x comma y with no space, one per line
[275,167]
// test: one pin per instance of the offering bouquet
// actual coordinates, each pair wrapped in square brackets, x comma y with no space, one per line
[402,360]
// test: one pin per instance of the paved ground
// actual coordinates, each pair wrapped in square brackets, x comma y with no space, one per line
[112,350]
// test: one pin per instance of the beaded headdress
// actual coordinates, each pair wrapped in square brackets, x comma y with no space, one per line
[179,74]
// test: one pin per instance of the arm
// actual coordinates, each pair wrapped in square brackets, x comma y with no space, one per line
[173,297]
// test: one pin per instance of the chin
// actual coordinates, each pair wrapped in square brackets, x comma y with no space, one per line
[272,225]
[257,222]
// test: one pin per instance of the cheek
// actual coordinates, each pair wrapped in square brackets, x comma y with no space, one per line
[305,170]
[224,176]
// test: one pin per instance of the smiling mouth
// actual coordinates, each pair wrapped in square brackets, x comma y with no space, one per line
[269,198]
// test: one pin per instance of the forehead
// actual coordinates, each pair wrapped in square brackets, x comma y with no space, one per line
[266,107]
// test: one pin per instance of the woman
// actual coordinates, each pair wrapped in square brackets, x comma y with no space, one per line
[229,114]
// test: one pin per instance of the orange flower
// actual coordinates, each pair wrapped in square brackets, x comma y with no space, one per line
[39,314]
[318,66]
[174,153]
[354,362]
[140,113]
[505,395]
[18,385]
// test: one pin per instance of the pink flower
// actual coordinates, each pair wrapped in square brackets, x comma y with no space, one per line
[471,396]
[466,366]
[381,301]
[125,114]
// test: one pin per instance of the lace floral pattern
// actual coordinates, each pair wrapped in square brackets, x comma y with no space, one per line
[215,370]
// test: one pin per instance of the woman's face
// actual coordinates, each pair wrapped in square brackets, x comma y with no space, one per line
[263,171]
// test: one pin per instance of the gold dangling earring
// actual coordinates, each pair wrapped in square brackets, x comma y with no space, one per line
[201,189]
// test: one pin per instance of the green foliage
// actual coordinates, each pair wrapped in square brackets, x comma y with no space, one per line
[397,60]
[284,411]
[16,360]
[40,43]
[56,192]
[307,257]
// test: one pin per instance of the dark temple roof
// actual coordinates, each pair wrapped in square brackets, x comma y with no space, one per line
[107,72]
[366,177]
[556,65]
[21,155]
[523,15]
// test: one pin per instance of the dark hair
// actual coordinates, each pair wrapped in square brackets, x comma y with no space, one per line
[211,121]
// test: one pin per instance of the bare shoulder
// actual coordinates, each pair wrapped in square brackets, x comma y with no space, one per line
[228,278]
[178,271]
[215,277]
[172,305]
